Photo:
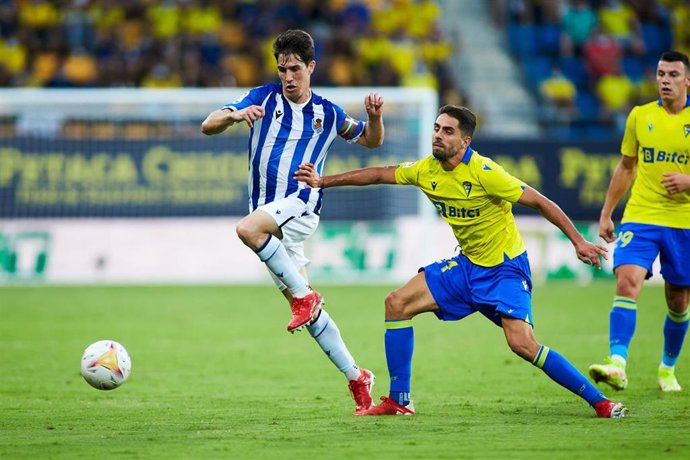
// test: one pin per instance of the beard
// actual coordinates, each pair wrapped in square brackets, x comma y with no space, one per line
[442,154]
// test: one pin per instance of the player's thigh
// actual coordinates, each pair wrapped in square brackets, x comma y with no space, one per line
[447,283]
[505,289]
[252,229]
[675,255]
[286,211]
[411,299]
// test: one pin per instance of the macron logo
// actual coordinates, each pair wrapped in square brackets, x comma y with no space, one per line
[279,113]
[433,185]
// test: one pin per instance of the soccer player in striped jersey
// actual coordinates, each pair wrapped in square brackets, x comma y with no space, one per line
[655,161]
[491,274]
[291,125]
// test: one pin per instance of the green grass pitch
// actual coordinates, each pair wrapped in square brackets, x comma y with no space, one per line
[215,375]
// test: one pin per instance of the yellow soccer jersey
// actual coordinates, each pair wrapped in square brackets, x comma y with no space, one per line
[476,200]
[661,143]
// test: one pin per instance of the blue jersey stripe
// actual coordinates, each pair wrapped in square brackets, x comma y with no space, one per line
[256,161]
[277,152]
[327,126]
[317,208]
[307,132]
[304,194]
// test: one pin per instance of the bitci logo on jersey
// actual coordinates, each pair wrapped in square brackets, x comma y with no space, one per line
[650,155]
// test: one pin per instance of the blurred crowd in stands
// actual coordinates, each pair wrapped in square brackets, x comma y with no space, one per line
[211,43]
[587,61]
[590,61]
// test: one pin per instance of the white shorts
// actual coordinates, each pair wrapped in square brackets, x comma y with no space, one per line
[297,223]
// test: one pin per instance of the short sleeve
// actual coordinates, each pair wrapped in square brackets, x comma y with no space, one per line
[407,173]
[629,145]
[255,96]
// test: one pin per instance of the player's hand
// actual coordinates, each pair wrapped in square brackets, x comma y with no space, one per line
[307,174]
[589,253]
[249,114]
[374,105]
[606,229]
[676,182]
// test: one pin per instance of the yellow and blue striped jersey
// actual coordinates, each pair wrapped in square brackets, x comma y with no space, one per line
[661,142]
[476,200]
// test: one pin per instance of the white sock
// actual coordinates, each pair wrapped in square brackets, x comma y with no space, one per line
[618,359]
[327,335]
[664,366]
[276,258]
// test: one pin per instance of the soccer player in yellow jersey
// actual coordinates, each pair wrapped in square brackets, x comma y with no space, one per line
[491,275]
[655,161]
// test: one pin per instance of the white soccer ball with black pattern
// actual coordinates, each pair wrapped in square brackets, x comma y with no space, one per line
[105,364]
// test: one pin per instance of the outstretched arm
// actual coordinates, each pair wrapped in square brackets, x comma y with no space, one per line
[219,120]
[587,252]
[373,131]
[365,176]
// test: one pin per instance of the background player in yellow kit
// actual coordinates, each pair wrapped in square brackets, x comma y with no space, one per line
[656,222]
[491,275]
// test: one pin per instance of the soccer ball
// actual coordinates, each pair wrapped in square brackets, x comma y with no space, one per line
[105,364]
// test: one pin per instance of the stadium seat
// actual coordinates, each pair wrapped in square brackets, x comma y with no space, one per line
[598,131]
[522,39]
[656,39]
[549,39]
[535,70]
[565,132]
[633,68]
[574,69]
[588,105]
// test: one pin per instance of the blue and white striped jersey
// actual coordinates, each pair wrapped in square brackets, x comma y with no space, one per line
[288,135]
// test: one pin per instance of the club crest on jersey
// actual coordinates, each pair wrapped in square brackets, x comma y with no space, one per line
[686,130]
[468,187]
[317,125]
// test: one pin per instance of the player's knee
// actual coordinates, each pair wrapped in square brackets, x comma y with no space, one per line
[395,306]
[628,285]
[677,300]
[524,347]
[247,233]
[242,231]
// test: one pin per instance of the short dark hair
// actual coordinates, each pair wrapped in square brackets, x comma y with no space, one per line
[296,42]
[675,56]
[466,119]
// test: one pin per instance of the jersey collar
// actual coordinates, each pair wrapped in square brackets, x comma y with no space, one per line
[468,155]
[687,101]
